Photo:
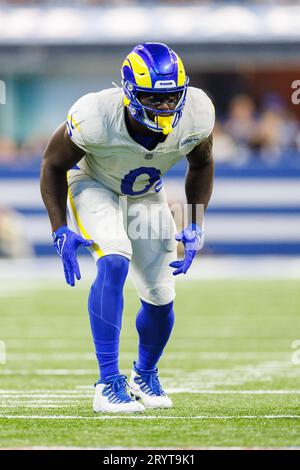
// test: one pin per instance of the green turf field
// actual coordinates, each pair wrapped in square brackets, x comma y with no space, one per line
[228,369]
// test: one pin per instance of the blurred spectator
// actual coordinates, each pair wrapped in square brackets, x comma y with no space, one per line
[33,148]
[8,149]
[278,128]
[241,123]
[26,152]
[13,243]
[247,133]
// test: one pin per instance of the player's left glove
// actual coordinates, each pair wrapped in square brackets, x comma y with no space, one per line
[66,243]
[192,238]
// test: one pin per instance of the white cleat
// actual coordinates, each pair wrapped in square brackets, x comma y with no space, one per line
[111,396]
[146,386]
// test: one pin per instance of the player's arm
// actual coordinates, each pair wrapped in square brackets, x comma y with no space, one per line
[198,189]
[199,179]
[61,155]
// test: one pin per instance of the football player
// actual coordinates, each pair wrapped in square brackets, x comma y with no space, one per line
[116,145]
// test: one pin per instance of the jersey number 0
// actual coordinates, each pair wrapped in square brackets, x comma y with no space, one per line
[129,180]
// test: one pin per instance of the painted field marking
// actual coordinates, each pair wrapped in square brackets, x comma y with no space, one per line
[222,356]
[50,372]
[32,406]
[75,395]
[108,417]
[34,401]
[57,396]
[254,369]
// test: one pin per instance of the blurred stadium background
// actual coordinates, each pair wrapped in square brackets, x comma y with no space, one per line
[244,55]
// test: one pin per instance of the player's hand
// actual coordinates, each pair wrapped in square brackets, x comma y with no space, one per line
[66,243]
[192,238]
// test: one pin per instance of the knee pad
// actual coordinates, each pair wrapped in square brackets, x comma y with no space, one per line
[114,268]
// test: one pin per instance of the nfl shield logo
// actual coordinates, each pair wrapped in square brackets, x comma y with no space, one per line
[148,156]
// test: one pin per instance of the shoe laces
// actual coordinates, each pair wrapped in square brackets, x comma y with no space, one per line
[118,386]
[152,380]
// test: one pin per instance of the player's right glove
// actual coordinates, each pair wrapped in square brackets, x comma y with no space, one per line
[66,243]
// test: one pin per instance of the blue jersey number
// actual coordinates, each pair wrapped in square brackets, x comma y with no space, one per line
[129,180]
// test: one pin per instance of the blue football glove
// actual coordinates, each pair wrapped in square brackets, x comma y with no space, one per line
[192,238]
[66,243]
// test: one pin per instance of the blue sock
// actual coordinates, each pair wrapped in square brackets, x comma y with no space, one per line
[154,324]
[105,308]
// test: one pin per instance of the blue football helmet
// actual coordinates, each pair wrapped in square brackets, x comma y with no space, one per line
[153,67]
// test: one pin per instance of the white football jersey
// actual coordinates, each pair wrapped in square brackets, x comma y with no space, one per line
[96,124]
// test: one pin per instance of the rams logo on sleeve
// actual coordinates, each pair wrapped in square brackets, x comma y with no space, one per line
[72,124]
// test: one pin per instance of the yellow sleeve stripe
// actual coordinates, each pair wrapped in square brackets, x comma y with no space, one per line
[84,233]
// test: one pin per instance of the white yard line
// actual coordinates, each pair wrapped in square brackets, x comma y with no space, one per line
[222,356]
[21,401]
[137,417]
[25,405]
[255,369]
[46,395]
[236,377]
[49,372]
[75,396]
